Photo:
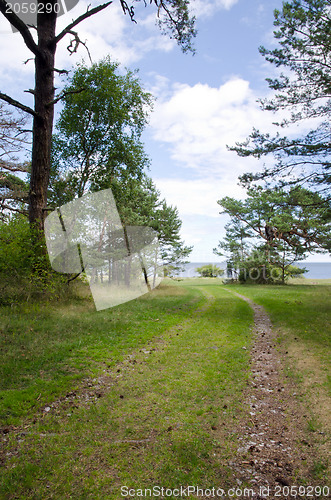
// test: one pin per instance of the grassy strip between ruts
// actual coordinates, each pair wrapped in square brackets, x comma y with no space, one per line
[166,420]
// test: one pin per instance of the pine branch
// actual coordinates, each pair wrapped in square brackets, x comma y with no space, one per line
[11,167]
[3,206]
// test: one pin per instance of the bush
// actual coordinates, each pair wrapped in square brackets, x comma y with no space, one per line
[210,271]
[25,272]
[256,268]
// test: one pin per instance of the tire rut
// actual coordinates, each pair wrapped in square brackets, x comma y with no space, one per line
[274,449]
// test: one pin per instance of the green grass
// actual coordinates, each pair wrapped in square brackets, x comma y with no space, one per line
[302,311]
[301,316]
[46,349]
[176,367]
[168,417]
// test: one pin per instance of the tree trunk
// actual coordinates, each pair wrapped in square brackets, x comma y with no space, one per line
[143,267]
[283,268]
[43,123]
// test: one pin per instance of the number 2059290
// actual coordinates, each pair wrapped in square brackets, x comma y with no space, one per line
[32,8]
[300,491]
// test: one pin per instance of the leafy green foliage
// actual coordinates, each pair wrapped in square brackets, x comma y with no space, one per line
[284,227]
[98,147]
[175,20]
[13,190]
[210,271]
[25,273]
[303,31]
[139,203]
[297,218]
[99,129]
[234,246]
[262,266]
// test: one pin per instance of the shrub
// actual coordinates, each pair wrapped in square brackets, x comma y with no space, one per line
[25,272]
[210,271]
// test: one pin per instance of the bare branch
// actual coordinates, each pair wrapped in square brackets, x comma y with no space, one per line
[13,167]
[17,104]
[8,207]
[129,10]
[20,26]
[61,71]
[74,44]
[79,19]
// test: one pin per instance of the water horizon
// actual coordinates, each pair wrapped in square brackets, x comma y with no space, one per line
[315,270]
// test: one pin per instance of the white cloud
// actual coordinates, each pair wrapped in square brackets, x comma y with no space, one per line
[108,32]
[199,211]
[198,122]
[112,32]
[104,34]
[203,8]
[198,196]
[15,74]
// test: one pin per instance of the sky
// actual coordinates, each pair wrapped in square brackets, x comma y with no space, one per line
[203,102]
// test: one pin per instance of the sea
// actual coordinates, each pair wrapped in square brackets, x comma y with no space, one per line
[315,270]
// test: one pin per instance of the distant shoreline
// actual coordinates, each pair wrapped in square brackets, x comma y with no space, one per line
[316,270]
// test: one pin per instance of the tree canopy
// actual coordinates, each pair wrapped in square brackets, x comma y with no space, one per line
[210,271]
[281,228]
[99,129]
[98,146]
[303,33]
[139,203]
[297,218]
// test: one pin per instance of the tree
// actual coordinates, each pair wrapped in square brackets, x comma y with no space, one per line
[286,225]
[99,128]
[210,271]
[234,246]
[139,203]
[98,147]
[174,252]
[174,19]
[269,265]
[297,218]
[13,138]
[303,30]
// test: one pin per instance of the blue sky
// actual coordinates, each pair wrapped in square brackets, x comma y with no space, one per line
[203,102]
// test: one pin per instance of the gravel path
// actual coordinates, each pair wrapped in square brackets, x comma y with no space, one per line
[275,449]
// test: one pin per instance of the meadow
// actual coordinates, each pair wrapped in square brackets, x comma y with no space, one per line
[148,392]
